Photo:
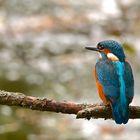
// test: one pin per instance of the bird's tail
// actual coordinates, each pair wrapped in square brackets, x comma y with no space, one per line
[120,112]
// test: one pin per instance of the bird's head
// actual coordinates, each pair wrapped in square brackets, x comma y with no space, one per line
[110,48]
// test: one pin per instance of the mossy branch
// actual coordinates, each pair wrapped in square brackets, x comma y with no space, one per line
[80,110]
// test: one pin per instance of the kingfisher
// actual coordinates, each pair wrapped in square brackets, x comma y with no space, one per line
[114,79]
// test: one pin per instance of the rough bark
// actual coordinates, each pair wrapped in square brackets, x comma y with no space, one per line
[81,110]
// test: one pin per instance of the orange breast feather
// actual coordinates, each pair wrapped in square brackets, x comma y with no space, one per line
[100,88]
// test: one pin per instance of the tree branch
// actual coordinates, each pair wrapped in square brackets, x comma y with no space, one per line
[81,110]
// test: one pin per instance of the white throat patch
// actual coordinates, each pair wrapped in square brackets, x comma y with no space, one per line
[100,56]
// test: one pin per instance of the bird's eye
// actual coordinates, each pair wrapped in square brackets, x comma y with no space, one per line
[100,47]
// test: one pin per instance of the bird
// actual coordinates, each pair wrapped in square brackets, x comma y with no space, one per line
[114,79]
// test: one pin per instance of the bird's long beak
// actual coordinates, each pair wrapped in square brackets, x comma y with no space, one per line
[93,49]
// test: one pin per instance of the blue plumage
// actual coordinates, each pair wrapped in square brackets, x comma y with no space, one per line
[112,76]
[116,79]
[120,108]
[114,47]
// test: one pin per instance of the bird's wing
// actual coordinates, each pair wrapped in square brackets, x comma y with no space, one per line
[129,81]
[109,79]
[107,76]
[117,81]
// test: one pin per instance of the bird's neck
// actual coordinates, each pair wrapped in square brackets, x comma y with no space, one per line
[109,56]
[112,57]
